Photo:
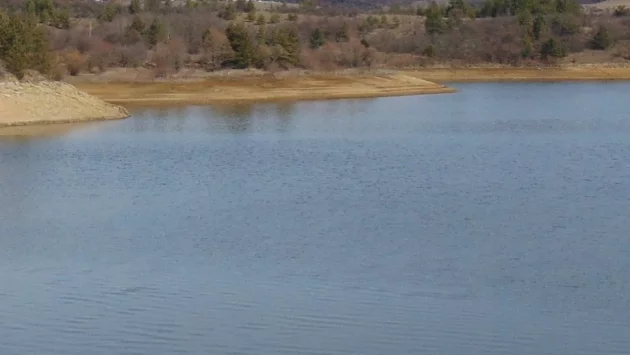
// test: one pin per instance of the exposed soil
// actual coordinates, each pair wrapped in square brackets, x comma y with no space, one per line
[252,88]
[23,103]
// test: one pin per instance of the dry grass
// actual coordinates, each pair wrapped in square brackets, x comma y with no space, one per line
[262,88]
[565,73]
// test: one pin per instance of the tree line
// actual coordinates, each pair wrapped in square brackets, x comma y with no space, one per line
[213,35]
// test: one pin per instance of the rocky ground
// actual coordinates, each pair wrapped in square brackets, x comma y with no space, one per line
[34,100]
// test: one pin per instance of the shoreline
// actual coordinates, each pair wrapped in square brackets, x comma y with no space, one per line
[248,87]
[260,88]
[45,102]
[522,74]
[93,98]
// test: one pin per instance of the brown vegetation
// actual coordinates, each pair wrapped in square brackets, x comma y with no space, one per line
[262,88]
[167,37]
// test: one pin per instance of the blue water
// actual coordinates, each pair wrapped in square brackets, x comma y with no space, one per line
[491,221]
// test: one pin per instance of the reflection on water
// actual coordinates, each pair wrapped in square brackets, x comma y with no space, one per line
[491,221]
[226,118]
[29,132]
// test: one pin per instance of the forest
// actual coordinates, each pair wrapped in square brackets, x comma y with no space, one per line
[62,38]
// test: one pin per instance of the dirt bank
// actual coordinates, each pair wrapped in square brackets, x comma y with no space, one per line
[564,73]
[254,88]
[23,103]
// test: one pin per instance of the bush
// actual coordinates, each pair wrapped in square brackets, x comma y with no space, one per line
[621,11]
[602,39]
[75,62]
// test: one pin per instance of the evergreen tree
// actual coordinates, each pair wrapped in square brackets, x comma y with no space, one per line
[250,7]
[551,48]
[434,23]
[429,51]
[275,18]
[40,57]
[23,46]
[135,7]
[602,39]
[111,10]
[290,42]
[317,38]
[261,35]
[251,17]
[384,22]
[155,33]
[538,26]
[260,20]
[241,45]
[62,19]
[528,47]
[14,46]
[137,24]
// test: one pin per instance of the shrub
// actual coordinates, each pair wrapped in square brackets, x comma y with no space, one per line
[75,62]
[602,39]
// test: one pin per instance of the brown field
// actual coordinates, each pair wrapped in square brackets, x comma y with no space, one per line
[220,90]
[568,73]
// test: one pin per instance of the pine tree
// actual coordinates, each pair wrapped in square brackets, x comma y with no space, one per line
[62,19]
[111,10]
[290,42]
[135,7]
[40,52]
[317,38]
[155,33]
[538,26]
[602,39]
[275,18]
[23,46]
[261,35]
[251,17]
[241,45]
[250,7]
[15,47]
[528,47]
[434,23]
[260,20]
[137,24]
[551,48]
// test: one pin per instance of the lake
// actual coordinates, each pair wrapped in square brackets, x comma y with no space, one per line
[490,221]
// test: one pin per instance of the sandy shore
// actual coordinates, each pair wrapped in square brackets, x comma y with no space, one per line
[51,102]
[224,90]
[565,73]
